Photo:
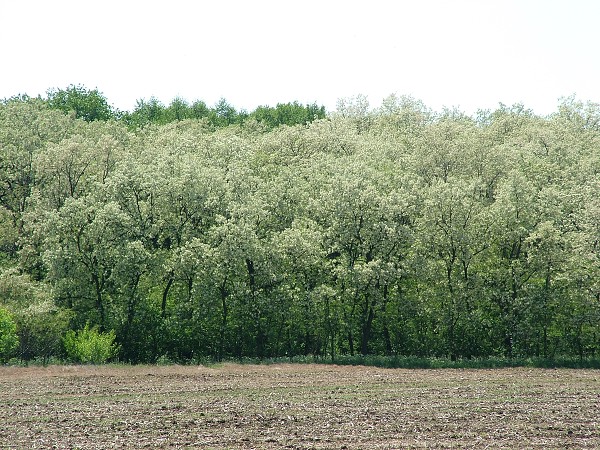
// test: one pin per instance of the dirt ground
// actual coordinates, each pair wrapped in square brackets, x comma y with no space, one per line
[297,407]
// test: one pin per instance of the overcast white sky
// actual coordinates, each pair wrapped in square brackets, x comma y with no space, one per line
[468,54]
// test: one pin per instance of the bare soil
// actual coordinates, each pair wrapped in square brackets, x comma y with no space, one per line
[297,407]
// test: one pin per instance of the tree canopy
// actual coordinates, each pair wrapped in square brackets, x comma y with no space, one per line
[193,232]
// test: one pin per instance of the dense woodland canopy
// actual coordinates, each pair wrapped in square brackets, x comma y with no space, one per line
[194,232]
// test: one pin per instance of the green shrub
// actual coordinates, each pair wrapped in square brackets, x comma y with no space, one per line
[8,335]
[90,346]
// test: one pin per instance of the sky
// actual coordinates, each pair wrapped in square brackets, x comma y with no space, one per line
[465,54]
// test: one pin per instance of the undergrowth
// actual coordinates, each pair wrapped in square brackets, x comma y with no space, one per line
[413,362]
[389,362]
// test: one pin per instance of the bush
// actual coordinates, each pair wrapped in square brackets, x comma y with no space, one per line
[40,328]
[8,335]
[90,346]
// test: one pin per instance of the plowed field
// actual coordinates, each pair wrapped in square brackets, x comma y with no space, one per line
[297,406]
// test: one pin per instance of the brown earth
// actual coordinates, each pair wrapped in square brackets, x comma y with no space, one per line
[297,406]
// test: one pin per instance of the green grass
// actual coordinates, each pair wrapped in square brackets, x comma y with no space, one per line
[414,362]
[390,362]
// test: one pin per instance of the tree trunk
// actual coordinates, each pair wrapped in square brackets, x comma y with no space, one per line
[366,331]
[99,300]
[163,305]
[224,313]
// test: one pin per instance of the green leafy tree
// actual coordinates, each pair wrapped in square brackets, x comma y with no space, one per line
[26,129]
[86,104]
[146,112]
[224,114]
[86,240]
[288,114]
[75,166]
[199,110]
[366,223]
[454,231]
[178,110]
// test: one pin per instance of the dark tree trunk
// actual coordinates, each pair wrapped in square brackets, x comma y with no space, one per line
[163,305]
[366,331]
[224,313]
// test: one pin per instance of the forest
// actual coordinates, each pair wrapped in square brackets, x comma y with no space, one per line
[190,232]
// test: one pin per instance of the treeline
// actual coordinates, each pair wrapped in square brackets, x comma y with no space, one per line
[391,231]
[91,105]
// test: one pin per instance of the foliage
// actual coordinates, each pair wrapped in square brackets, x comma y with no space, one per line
[221,115]
[203,233]
[8,335]
[41,328]
[87,104]
[89,345]
[40,323]
[288,114]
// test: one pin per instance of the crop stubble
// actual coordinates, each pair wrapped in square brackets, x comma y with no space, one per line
[297,406]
